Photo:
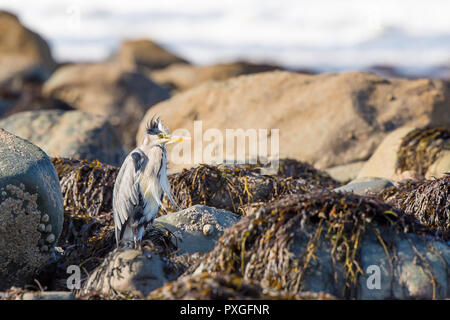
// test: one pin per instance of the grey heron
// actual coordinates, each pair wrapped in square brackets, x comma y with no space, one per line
[141,184]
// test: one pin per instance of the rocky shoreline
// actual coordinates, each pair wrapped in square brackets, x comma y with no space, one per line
[363,182]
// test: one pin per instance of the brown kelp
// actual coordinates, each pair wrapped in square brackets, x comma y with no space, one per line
[420,148]
[426,200]
[264,246]
[230,187]
[87,188]
[223,286]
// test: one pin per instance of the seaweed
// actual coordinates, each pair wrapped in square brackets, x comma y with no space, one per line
[421,147]
[222,286]
[298,169]
[427,200]
[231,187]
[88,230]
[260,246]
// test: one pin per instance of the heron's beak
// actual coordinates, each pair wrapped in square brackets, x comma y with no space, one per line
[172,139]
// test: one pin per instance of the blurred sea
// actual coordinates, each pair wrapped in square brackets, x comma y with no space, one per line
[321,35]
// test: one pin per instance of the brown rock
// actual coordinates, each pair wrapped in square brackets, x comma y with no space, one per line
[184,76]
[18,41]
[411,153]
[326,119]
[105,89]
[70,134]
[382,164]
[146,55]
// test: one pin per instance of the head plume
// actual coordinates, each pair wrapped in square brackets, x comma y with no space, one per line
[155,126]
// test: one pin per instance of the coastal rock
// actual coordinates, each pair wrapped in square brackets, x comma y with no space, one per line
[367,187]
[131,274]
[105,89]
[326,242]
[326,119]
[232,188]
[197,228]
[181,77]
[22,47]
[411,153]
[26,95]
[145,55]
[70,134]
[346,172]
[31,209]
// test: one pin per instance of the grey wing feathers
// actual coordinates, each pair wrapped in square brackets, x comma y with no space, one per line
[126,189]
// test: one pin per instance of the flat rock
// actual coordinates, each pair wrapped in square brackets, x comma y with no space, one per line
[198,228]
[373,186]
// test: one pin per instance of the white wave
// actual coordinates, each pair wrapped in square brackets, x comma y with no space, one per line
[320,34]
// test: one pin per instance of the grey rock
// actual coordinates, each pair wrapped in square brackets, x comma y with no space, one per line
[345,172]
[69,134]
[370,186]
[132,272]
[191,224]
[410,274]
[29,189]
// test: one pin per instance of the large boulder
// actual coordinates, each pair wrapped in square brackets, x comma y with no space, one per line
[70,134]
[197,228]
[411,153]
[22,48]
[31,209]
[181,77]
[145,55]
[339,243]
[326,119]
[105,89]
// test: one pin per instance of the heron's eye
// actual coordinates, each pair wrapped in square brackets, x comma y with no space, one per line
[161,135]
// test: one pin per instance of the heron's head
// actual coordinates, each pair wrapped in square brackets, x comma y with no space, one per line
[157,133]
